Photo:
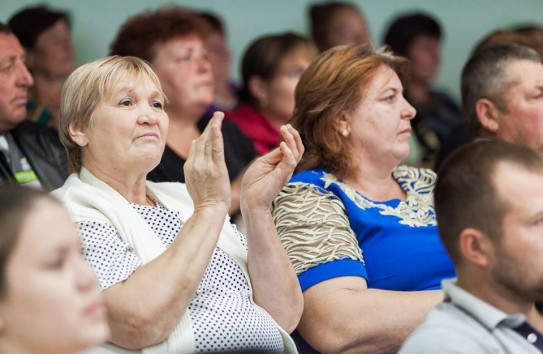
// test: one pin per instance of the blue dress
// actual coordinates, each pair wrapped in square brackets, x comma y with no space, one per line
[330,230]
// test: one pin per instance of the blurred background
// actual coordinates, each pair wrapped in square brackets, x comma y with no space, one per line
[465,22]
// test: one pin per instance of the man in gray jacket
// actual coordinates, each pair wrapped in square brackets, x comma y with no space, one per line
[489,207]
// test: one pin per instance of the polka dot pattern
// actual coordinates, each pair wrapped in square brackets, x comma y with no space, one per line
[113,260]
[223,317]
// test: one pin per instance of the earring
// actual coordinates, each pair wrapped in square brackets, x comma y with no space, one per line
[345,133]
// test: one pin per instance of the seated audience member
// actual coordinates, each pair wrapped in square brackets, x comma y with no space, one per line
[336,23]
[358,227]
[418,37]
[489,205]
[169,246]
[225,92]
[271,68]
[172,40]
[50,56]
[502,95]
[49,298]
[29,154]
[501,87]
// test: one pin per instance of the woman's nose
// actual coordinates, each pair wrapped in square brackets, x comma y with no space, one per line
[409,111]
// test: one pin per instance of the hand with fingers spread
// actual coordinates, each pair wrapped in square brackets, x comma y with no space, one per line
[205,170]
[268,174]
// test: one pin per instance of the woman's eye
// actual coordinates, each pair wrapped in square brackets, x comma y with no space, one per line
[184,58]
[125,102]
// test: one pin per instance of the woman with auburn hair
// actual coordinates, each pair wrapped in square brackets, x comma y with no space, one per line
[50,302]
[359,227]
[176,276]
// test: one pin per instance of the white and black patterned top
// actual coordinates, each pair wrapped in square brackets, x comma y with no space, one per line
[223,317]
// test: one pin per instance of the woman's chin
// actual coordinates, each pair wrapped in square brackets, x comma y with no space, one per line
[149,163]
[96,336]
[401,154]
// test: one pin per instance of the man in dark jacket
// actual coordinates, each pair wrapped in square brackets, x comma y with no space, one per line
[29,154]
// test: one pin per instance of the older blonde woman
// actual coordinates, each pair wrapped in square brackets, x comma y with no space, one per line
[359,227]
[177,277]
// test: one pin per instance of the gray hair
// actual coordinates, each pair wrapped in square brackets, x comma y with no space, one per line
[487,75]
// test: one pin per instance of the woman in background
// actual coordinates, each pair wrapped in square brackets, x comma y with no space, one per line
[271,68]
[336,23]
[225,92]
[49,297]
[50,57]
[172,40]
[359,228]
[418,37]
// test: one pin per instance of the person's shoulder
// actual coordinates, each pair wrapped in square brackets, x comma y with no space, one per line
[231,130]
[72,183]
[28,126]
[314,176]
[422,175]
[443,95]
[307,185]
[243,112]
[447,330]
[33,132]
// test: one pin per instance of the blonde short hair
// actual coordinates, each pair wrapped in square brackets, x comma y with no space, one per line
[86,87]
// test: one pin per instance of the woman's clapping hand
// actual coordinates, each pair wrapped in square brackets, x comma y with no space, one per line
[205,170]
[268,174]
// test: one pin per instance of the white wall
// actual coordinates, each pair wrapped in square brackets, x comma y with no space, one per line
[95,22]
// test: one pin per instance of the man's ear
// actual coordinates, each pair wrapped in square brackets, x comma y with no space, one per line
[488,114]
[342,122]
[259,89]
[476,247]
[77,135]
